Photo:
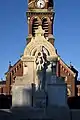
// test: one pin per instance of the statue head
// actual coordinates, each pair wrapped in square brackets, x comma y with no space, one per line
[39,31]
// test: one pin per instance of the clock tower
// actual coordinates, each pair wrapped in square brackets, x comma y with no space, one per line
[40,12]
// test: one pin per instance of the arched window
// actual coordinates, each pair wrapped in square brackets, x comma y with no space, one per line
[12,72]
[34,26]
[45,26]
[51,4]
[15,70]
[19,65]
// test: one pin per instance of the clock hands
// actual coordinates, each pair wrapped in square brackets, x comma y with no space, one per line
[41,4]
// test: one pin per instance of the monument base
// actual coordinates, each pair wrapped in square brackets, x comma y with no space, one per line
[50,113]
[57,92]
[21,96]
[40,99]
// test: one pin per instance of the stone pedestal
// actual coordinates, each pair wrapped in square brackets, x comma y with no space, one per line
[21,96]
[57,92]
[22,92]
[40,99]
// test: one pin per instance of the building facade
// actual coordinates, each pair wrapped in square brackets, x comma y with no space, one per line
[41,13]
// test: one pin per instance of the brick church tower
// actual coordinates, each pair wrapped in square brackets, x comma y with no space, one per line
[41,12]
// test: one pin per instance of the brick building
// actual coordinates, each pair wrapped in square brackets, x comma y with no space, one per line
[41,14]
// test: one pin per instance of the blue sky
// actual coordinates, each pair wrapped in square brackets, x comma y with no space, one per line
[13,31]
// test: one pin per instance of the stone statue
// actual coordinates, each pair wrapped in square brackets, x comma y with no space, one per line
[39,62]
[39,31]
[41,59]
[41,65]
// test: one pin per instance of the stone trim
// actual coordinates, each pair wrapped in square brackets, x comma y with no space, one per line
[66,67]
[31,46]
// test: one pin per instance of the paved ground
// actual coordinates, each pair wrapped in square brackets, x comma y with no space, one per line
[6,110]
[24,114]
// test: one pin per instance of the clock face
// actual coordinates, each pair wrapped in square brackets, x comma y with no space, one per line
[40,3]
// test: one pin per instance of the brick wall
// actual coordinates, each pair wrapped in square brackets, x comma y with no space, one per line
[16,70]
[64,71]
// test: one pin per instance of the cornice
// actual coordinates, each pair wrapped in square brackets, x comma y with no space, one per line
[66,66]
[35,11]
